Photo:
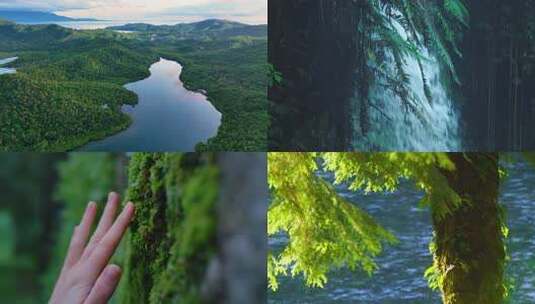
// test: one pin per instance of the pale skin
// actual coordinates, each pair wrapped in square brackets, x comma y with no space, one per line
[86,276]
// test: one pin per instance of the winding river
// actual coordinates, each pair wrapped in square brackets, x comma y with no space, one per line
[168,117]
[6,61]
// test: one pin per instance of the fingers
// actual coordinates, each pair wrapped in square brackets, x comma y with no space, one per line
[106,221]
[105,285]
[80,235]
[106,247]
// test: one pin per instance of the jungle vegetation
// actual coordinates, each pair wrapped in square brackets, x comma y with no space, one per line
[484,51]
[186,244]
[326,231]
[68,86]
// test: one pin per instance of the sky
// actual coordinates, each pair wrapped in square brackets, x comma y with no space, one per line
[249,11]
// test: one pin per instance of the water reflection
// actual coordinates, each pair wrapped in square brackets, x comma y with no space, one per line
[168,117]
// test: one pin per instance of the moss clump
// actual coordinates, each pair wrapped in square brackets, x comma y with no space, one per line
[173,234]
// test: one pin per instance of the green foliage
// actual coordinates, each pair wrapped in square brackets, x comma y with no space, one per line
[68,86]
[274,76]
[434,25]
[326,231]
[235,81]
[173,233]
[67,91]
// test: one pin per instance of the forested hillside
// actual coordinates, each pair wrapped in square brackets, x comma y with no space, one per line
[68,88]
[208,29]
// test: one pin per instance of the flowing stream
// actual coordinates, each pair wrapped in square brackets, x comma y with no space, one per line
[400,277]
[6,61]
[168,117]
[393,128]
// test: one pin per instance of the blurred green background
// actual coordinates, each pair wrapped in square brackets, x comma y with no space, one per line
[42,198]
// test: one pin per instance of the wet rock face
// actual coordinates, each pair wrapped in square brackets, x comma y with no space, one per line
[312,43]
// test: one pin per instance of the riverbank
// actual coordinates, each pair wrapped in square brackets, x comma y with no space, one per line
[86,87]
[235,82]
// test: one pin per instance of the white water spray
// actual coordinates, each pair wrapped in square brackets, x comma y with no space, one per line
[392,128]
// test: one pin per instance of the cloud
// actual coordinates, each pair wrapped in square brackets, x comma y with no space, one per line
[255,10]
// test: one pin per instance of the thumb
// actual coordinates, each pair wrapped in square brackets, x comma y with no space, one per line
[105,285]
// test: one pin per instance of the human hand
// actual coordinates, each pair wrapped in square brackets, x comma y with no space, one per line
[86,277]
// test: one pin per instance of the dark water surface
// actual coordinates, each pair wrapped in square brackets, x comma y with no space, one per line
[168,117]
[401,267]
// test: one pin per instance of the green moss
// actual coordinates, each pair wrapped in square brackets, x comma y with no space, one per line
[173,234]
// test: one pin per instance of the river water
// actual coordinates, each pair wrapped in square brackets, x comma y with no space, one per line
[400,276]
[6,61]
[168,117]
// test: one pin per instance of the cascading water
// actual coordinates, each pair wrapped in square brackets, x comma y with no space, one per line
[392,127]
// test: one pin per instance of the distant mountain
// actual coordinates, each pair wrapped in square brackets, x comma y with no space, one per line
[37,17]
[214,28]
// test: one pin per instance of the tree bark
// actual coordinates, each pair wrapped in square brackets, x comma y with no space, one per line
[237,273]
[313,44]
[470,250]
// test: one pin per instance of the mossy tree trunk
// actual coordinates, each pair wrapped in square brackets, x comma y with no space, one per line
[191,218]
[469,251]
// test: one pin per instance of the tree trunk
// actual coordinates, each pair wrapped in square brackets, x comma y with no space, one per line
[199,234]
[313,44]
[237,273]
[470,250]
[497,68]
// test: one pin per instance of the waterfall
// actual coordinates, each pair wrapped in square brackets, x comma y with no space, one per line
[393,128]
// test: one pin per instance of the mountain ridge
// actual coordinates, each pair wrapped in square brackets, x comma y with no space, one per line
[27,16]
[211,27]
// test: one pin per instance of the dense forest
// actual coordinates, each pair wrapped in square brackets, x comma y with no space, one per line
[68,88]
[198,234]
[397,75]
[325,231]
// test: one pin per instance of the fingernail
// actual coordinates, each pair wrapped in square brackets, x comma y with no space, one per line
[112,195]
[130,207]
[91,205]
[113,270]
